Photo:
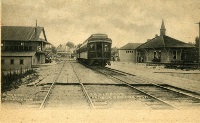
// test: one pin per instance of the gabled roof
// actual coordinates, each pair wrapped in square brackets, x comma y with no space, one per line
[130,46]
[22,33]
[164,41]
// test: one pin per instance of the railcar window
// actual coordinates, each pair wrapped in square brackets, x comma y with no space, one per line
[106,47]
[99,46]
[99,49]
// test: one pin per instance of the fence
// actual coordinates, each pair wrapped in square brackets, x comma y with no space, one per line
[12,79]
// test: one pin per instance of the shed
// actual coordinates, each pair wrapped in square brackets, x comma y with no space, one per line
[127,53]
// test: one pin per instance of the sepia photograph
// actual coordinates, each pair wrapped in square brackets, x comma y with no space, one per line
[104,61]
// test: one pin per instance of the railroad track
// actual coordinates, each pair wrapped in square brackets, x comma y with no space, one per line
[93,104]
[83,89]
[153,95]
[168,87]
[168,96]
[41,97]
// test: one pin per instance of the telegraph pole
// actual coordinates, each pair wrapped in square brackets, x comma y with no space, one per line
[199,42]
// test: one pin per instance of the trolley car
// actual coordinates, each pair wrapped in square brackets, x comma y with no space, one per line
[95,51]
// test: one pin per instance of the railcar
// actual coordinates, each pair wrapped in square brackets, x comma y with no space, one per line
[95,51]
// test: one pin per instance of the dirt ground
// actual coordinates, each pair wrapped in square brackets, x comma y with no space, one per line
[24,94]
[20,97]
[187,79]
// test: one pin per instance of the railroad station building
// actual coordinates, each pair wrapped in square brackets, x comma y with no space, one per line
[22,47]
[127,53]
[165,49]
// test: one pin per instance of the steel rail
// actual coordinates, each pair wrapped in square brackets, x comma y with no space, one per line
[46,96]
[173,90]
[83,88]
[139,90]
[155,84]
[118,71]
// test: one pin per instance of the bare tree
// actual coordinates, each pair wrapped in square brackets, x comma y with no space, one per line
[70,44]
[197,41]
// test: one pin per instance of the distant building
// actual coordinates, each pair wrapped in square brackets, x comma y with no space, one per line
[114,54]
[127,53]
[63,51]
[165,49]
[22,47]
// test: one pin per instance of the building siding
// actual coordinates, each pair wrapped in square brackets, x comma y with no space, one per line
[127,55]
[27,61]
[166,55]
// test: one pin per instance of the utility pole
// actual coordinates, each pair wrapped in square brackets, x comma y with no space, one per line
[199,42]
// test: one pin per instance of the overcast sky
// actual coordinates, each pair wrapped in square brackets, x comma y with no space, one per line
[124,21]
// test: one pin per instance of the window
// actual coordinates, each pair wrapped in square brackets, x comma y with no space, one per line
[21,61]
[99,47]
[11,61]
[174,52]
[105,47]
[22,44]
[159,55]
[92,47]
[39,48]
[155,55]
[2,61]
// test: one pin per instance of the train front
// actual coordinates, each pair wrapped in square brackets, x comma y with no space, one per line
[99,50]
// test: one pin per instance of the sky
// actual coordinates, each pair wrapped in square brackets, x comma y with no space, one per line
[124,21]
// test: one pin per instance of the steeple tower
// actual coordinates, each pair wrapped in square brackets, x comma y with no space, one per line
[162,29]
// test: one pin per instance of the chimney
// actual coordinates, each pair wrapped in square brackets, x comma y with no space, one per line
[36,29]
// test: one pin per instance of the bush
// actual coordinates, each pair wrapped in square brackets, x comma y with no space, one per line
[13,80]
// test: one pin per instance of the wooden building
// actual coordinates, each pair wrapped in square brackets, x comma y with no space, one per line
[22,47]
[165,49]
[127,53]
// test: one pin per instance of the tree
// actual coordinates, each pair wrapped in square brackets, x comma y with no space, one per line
[197,41]
[53,50]
[70,44]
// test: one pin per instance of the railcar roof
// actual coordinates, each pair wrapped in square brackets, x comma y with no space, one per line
[98,36]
